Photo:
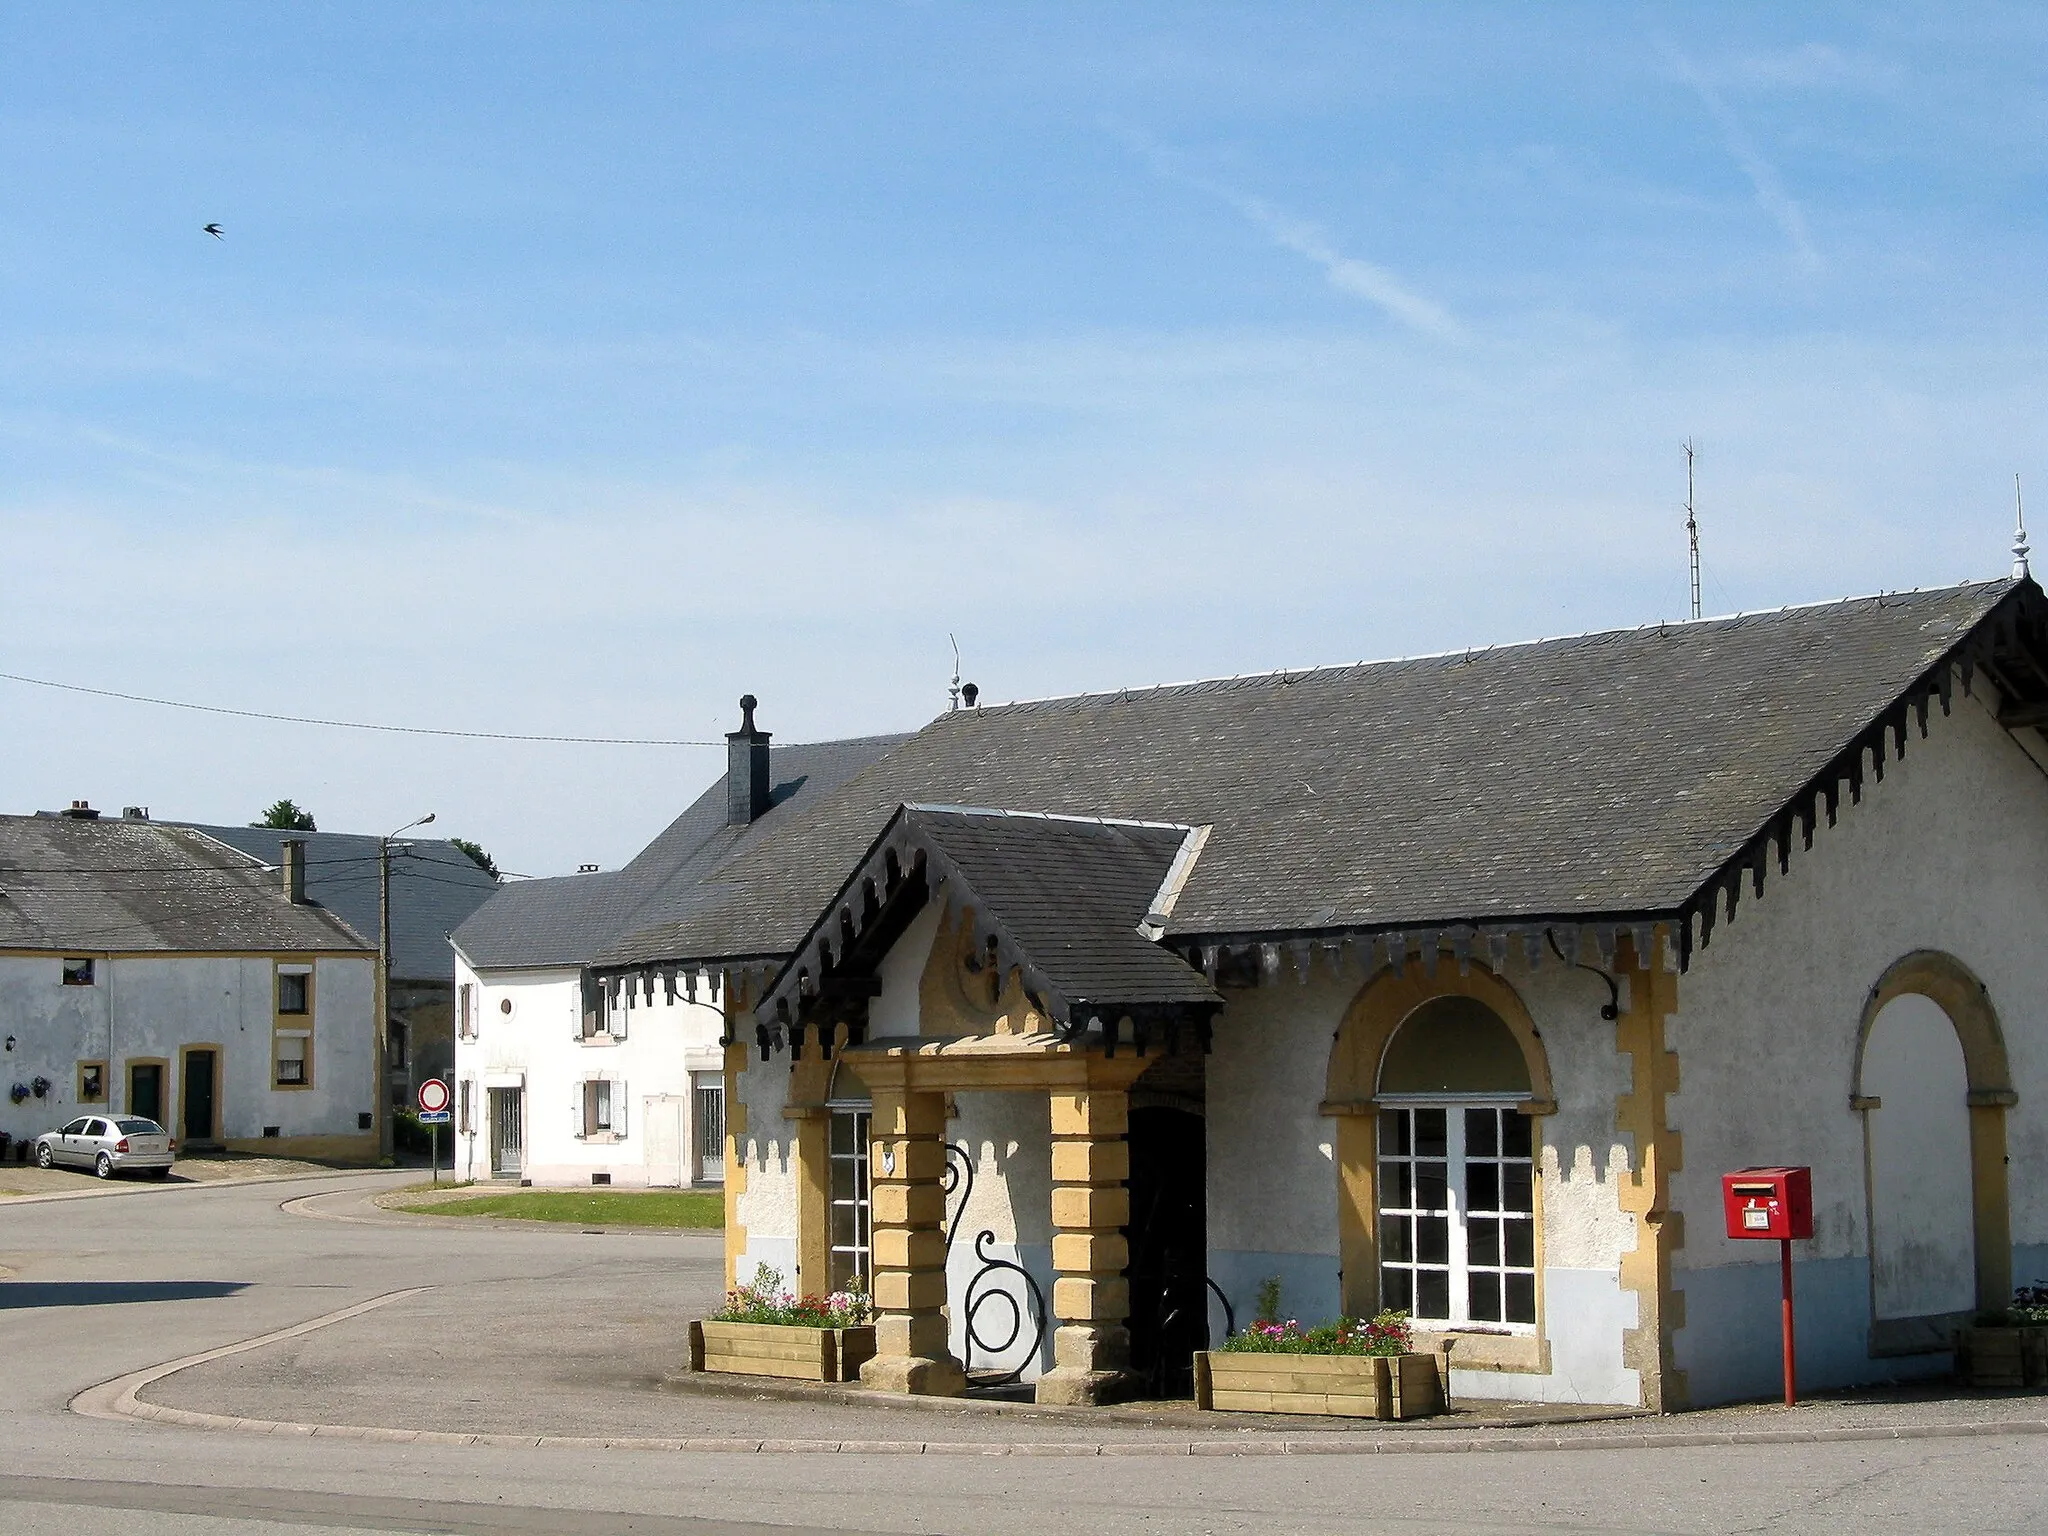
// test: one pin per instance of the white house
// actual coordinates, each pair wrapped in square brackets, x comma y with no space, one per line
[563,1081]
[1452,984]
[158,972]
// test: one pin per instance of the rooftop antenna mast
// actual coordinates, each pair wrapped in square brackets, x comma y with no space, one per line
[2020,567]
[953,693]
[1692,530]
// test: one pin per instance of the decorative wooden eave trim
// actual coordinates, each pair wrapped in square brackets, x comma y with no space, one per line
[1581,939]
[903,865]
[2016,626]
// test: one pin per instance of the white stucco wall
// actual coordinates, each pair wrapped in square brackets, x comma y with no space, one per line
[767,1146]
[1945,854]
[539,1047]
[153,1007]
[1272,1176]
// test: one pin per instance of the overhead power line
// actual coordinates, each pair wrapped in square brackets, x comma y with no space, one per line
[355,725]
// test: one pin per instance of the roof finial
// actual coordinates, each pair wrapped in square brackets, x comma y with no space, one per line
[2020,569]
[953,692]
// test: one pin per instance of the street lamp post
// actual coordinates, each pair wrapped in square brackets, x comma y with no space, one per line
[385,1140]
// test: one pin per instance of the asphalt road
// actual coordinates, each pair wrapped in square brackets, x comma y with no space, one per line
[562,1332]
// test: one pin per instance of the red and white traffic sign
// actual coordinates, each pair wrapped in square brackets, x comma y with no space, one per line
[433,1096]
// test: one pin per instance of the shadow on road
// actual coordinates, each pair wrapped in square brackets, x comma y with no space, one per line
[110,1293]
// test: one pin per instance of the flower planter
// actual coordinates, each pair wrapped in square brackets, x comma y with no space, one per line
[1347,1386]
[780,1349]
[2003,1357]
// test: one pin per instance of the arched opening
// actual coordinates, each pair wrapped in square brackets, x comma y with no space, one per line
[1923,1239]
[1933,1083]
[1457,1182]
[1437,1082]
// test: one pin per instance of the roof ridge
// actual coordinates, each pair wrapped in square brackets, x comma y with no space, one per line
[1091,821]
[1294,674]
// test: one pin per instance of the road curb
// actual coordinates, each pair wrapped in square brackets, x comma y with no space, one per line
[117,1399]
[301,1205]
[110,1190]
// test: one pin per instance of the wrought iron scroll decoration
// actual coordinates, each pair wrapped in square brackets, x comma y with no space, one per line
[991,1284]
[1027,1307]
[958,1177]
[1609,1010]
[1229,1312]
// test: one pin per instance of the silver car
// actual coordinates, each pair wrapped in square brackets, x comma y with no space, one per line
[109,1144]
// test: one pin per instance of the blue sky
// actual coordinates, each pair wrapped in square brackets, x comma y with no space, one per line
[573,369]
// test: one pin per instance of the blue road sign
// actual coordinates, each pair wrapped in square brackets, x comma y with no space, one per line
[434,1117]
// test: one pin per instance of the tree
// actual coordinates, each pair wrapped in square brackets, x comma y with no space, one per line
[285,816]
[477,856]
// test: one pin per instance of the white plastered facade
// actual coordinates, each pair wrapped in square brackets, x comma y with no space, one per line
[525,1031]
[1944,854]
[151,1010]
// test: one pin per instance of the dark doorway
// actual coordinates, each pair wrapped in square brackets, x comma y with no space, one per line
[146,1090]
[1169,1238]
[198,1115]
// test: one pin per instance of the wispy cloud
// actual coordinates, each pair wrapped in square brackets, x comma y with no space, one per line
[1771,196]
[1814,66]
[1305,238]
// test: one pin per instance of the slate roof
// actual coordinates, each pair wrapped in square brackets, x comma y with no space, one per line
[1598,775]
[137,885]
[567,920]
[1061,897]
[434,886]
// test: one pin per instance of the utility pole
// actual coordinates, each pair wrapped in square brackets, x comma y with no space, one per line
[1692,530]
[386,1144]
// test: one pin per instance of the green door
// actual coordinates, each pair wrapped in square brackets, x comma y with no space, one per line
[198,1096]
[146,1090]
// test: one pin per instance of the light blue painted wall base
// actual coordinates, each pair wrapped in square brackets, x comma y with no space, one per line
[1730,1349]
[1309,1288]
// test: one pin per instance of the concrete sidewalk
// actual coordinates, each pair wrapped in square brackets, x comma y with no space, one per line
[587,1360]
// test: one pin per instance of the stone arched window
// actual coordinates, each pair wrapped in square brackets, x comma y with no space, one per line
[1436,1081]
[1933,1084]
[1457,1173]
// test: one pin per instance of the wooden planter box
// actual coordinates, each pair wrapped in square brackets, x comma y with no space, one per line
[776,1349]
[1348,1386]
[2003,1357]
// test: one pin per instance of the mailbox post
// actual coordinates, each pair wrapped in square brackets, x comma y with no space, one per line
[1773,1203]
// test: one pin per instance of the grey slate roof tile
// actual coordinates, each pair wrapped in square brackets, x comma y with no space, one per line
[569,919]
[435,886]
[1595,775]
[141,886]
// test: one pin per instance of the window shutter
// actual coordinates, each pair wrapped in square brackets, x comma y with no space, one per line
[578,1110]
[618,1016]
[619,1108]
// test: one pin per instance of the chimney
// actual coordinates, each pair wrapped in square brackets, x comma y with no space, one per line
[81,811]
[293,870]
[135,813]
[746,768]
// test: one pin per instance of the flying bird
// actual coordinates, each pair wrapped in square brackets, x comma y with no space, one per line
[215,231]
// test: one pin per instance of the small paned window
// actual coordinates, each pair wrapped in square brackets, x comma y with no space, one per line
[77,973]
[291,1061]
[851,1217]
[92,1082]
[294,992]
[1458,1214]
[710,1131]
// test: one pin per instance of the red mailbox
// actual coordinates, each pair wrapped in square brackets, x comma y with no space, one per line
[1769,1202]
[1773,1203]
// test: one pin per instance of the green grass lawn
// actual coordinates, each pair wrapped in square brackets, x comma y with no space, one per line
[598,1207]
